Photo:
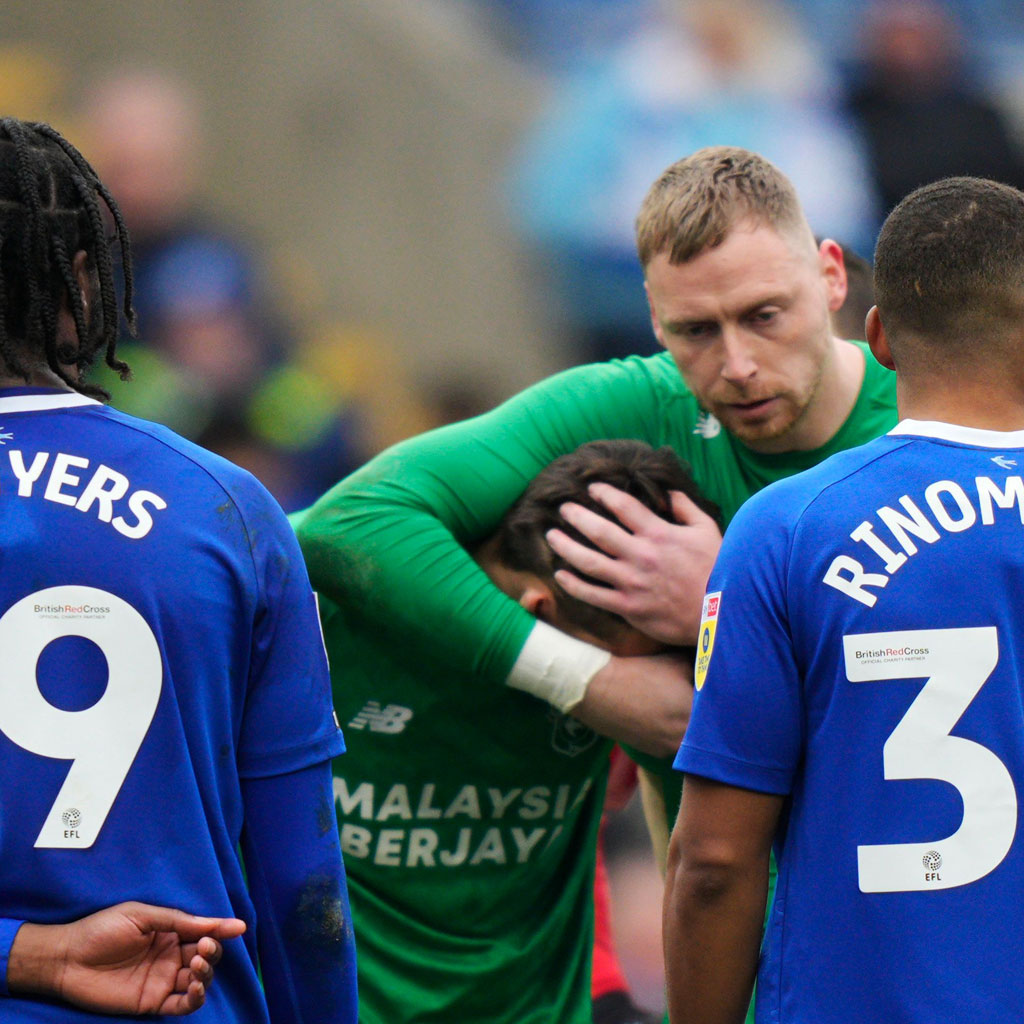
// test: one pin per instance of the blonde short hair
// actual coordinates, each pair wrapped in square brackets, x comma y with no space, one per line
[699,199]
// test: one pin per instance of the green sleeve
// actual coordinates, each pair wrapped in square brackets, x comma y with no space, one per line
[386,544]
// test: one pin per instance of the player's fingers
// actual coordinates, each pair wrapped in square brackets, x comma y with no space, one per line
[225,927]
[195,996]
[606,533]
[209,949]
[633,514]
[583,558]
[180,1003]
[601,597]
[150,918]
[200,969]
[686,511]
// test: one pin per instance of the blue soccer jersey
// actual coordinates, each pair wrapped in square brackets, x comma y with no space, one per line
[862,653]
[159,651]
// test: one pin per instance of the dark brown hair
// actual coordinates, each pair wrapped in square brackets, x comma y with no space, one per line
[646,473]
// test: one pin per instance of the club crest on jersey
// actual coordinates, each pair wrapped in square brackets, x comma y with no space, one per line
[706,637]
[570,736]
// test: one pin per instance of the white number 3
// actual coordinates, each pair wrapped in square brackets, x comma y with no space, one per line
[102,740]
[957,662]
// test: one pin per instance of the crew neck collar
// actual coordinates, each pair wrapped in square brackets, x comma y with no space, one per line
[975,436]
[29,399]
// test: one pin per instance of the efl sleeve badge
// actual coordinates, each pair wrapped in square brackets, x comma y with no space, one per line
[706,637]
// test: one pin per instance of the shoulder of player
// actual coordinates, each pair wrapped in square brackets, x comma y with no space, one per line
[656,373]
[186,456]
[785,503]
[645,394]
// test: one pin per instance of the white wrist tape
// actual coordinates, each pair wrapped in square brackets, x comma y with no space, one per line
[556,667]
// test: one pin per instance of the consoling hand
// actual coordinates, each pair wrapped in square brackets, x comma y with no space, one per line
[654,571]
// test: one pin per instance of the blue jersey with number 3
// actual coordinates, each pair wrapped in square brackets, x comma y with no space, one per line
[865,657]
[158,645]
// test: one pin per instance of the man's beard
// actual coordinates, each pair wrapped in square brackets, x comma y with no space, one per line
[794,409]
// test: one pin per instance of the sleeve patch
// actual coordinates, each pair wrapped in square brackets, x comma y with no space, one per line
[706,636]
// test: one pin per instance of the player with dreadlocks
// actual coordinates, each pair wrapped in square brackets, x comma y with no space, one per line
[56,249]
[164,699]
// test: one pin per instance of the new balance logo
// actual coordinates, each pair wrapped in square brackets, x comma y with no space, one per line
[391,718]
[707,426]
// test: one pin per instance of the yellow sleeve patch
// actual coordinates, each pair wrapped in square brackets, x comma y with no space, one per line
[706,636]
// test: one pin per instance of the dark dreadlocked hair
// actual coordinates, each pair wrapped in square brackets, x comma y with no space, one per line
[49,211]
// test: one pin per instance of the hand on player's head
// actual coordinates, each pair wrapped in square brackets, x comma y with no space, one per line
[611,510]
[650,571]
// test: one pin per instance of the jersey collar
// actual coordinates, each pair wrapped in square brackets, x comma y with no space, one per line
[974,436]
[30,400]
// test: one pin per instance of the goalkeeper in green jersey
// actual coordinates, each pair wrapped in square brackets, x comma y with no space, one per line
[468,814]
[753,386]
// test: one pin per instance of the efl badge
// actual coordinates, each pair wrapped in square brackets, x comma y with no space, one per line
[706,637]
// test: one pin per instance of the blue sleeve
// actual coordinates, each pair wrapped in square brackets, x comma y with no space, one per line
[297,884]
[289,719]
[8,930]
[746,728]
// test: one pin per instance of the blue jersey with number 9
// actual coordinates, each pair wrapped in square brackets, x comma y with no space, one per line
[158,645]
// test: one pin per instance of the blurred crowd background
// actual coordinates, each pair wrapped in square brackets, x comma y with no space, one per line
[357,219]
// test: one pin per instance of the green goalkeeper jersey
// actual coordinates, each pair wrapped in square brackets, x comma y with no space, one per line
[410,613]
[468,818]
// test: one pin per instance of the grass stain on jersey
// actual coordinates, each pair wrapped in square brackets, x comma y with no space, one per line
[320,916]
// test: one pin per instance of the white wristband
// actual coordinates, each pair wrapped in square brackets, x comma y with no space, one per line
[556,667]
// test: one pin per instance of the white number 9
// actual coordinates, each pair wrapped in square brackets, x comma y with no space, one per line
[102,740]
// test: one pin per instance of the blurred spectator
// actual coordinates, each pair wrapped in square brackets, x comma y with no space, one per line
[922,116]
[218,357]
[559,34]
[198,290]
[692,74]
[996,27]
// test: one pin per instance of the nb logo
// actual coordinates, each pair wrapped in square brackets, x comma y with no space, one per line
[391,718]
